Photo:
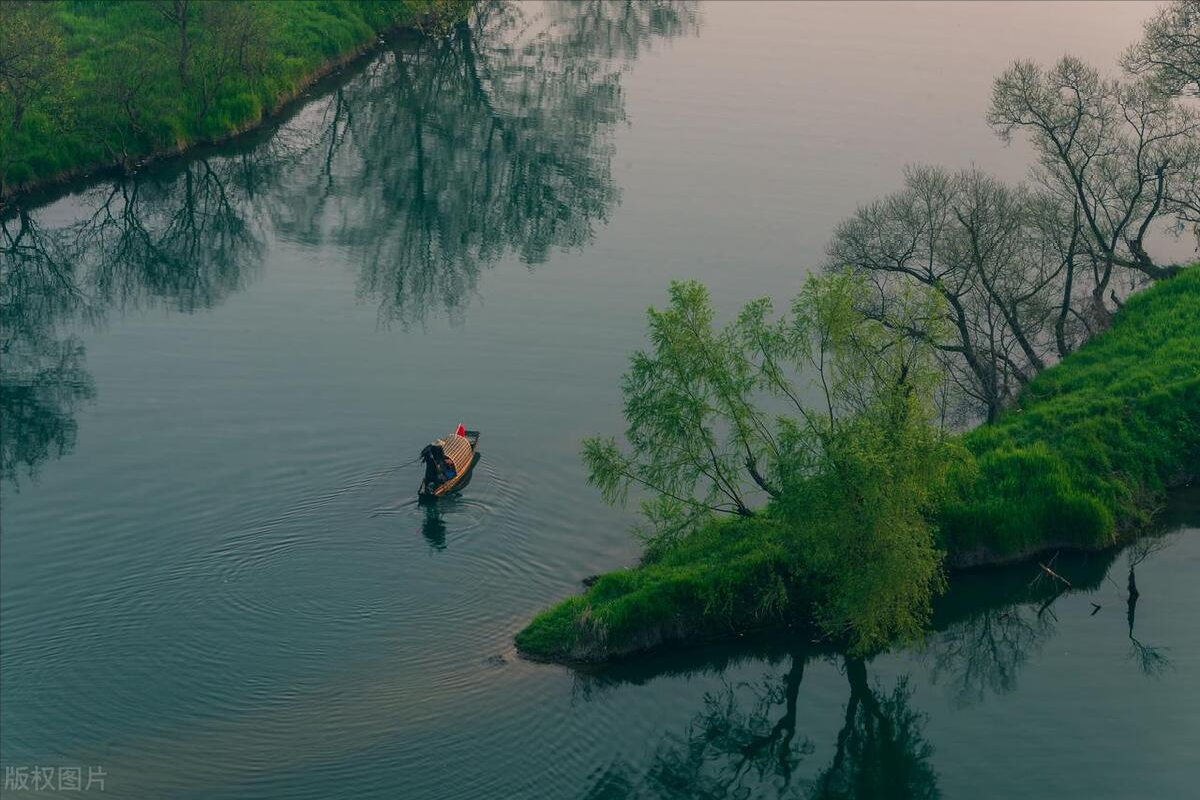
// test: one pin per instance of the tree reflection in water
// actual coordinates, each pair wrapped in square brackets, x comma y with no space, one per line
[180,240]
[447,155]
[186,242]
[42,377]
[731,750]
[881,751]
[756,739]
[434,161]
[989,626]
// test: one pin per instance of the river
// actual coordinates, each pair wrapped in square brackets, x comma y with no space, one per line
[215,581]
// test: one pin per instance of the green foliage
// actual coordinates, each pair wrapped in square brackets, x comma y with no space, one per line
[874,473]
[702,437]
[692,419]
[852,476]
[121,81]
[35,81]
[862,534]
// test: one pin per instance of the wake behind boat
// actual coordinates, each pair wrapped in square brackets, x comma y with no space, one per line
[448,463]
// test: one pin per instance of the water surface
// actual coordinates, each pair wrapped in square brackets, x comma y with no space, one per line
[215,581]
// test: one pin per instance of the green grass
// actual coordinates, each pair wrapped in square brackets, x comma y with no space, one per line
[727,575]
[1085,455]
[100,39]
[1094,441]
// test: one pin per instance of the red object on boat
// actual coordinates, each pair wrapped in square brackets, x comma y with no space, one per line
[462,430]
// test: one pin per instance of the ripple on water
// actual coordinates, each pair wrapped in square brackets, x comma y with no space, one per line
[408,569]
[359,613]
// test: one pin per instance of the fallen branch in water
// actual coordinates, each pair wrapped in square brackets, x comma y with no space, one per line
[1055,575]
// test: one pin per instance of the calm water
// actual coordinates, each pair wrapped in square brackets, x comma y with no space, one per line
[215,582]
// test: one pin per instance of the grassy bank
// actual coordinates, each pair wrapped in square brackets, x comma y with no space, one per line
[1083,458]
[1092,443]
[113,84]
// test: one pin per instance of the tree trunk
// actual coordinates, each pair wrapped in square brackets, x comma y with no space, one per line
[1153,271]
[185,45]
[1060,336]
[1098,315]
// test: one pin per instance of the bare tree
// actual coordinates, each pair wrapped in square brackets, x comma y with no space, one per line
[1005,277]
[1183,198]
[235,46]
[1169,52]
[1118,152]
[178,14]
[1059,239]
[122,87]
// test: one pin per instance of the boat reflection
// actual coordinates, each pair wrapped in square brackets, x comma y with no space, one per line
[433,527]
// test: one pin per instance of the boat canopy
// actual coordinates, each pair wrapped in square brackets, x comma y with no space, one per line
[458,449]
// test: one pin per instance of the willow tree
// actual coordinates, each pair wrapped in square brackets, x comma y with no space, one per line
[695,432]
[720,417]
[859,485]
[822,412]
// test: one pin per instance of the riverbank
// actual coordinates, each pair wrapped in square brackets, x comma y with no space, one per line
[122,85]
[1081,462]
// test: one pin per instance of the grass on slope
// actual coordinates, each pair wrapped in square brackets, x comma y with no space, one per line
[1094,441]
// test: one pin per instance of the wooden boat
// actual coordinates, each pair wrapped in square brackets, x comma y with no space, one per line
[460,448]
